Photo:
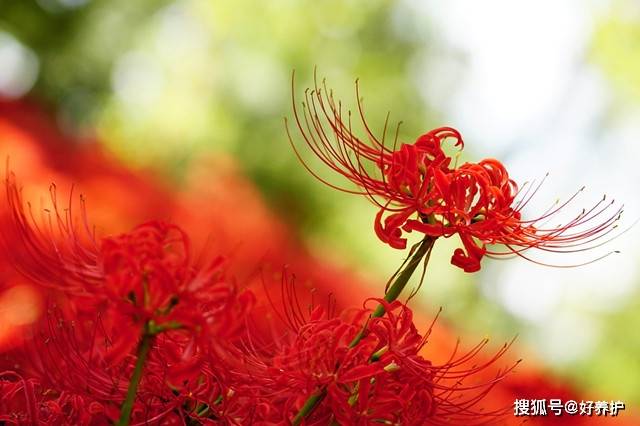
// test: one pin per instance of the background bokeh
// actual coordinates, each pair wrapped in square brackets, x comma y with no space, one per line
[543,86]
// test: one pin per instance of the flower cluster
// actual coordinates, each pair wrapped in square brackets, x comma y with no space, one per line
[136,331]
[418,187]
[106,300]
[382,379]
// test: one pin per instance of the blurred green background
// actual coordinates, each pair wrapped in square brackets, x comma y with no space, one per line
[543,86]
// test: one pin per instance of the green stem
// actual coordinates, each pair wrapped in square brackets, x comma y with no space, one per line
[143,352]
[398,285]
[402,280]
[308,406]
[392,294]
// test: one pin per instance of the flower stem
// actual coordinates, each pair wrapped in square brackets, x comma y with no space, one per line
[308,406]
[424,248]
[399,284]
[143,352]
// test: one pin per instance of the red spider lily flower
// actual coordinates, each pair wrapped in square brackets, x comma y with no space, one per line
[91,355]
[56,253]
[26,401]
[147,273]
[417,187]
[382,379]
[77,355]
[109,291]
[79,375]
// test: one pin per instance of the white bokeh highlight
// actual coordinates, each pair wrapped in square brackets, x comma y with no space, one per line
[18,67]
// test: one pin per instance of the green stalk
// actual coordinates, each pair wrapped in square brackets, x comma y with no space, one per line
[392,294]
[143,351]
[309,406]
[398,285]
